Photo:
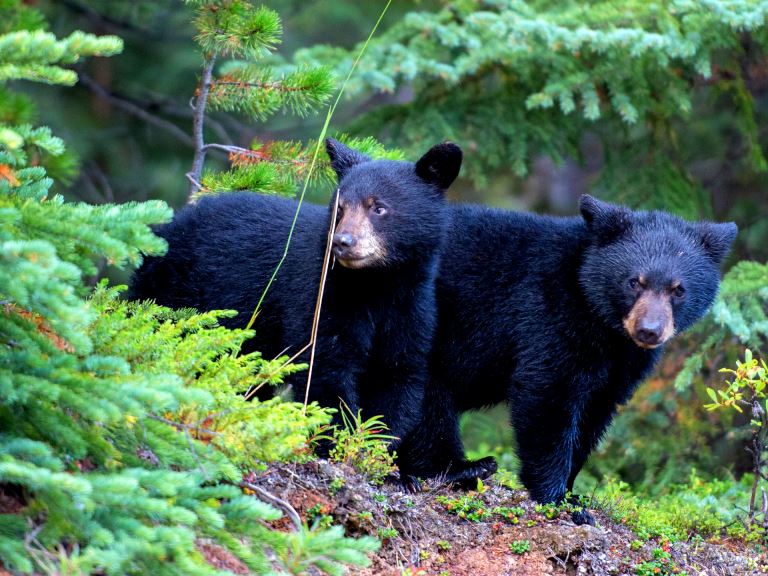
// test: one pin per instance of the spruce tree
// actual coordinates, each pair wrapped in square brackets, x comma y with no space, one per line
[122,436]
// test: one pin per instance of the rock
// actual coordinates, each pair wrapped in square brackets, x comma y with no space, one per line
[566,540]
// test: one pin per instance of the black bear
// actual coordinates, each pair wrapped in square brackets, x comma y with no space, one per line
[561,318]
[379,309]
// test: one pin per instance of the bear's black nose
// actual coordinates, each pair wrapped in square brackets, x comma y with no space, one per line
[343,240]
[649,332]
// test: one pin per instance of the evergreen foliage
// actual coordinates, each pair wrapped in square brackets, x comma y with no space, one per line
[249,86]
[237,29]
[279,167]
[122,436]
[515,79]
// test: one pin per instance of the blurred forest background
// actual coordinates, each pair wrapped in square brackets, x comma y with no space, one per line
[545,106]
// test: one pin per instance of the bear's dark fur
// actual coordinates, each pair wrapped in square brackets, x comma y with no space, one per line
[379,309]
[561,318]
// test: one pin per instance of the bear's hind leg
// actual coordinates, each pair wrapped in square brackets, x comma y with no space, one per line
[434,448]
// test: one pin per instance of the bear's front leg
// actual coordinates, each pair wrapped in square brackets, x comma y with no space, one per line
[546,432]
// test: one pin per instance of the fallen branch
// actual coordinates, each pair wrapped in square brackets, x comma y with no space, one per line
[289,510]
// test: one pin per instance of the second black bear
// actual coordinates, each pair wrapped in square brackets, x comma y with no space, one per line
[561,318]
[378,312]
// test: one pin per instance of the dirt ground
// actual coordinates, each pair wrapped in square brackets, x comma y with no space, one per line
[422,537]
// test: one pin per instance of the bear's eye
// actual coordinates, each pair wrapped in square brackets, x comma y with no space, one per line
[634,283]
[339,213]
[678,292]
[379,210]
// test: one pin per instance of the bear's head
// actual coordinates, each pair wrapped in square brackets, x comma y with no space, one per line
[390,212]
[650,274]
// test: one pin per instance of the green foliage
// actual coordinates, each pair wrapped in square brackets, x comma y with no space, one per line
[317,518]
[706,508]
[203,355]
[661,565]
[472,507]
[328,551]
[363,445]
[443,545]
[513,80]
[236,28]
[251,90]
[747,391]
[279,167]
[387,533]
[510,514]
[122,433]
[519,546]
[469,507]
[36,55]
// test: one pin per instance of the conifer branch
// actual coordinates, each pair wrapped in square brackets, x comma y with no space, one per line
[278,86]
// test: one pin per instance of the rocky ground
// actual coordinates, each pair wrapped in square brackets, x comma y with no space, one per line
[496,532]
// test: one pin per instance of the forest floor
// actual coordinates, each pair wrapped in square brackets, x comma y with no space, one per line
[496,531]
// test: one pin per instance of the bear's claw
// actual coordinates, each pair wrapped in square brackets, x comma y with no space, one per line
[466,474]
[582,516]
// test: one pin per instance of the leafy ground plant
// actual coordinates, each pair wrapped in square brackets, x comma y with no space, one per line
[519,546]
[362,444]
[746,391]
[660,565]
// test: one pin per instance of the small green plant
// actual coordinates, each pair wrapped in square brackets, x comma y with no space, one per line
[747,390]
[660,565]
[335,485]
[469,507]
[519,546]
[387,533]
[379,497]
[443,545]
[363,445]
[508,479]
[636,545]
[365,516]
[317,518]
[472,507]
[549,511]
[510,514]
[424,555]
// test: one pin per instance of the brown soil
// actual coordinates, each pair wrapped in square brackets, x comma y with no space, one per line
[421,537]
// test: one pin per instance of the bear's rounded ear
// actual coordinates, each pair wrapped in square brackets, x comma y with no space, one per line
[440,165]
[716,238]
[342,157]
[603,219]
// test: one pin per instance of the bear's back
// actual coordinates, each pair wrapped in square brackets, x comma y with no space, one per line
[223,250]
